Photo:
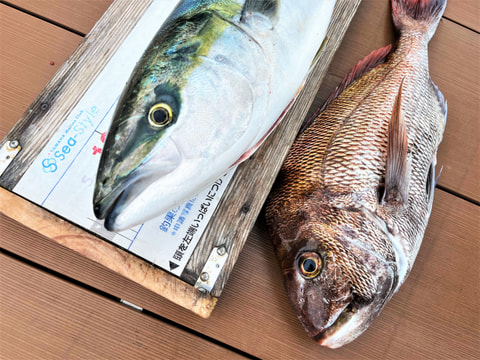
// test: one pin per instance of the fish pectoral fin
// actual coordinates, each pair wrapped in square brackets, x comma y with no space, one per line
[441,101]
[267,8]
[397,175]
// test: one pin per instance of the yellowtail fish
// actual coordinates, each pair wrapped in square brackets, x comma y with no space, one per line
[350,206]
[211,86]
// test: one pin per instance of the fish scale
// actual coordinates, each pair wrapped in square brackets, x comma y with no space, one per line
[354,194]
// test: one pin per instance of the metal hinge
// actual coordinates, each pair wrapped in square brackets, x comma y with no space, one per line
[212,269]
[7,153]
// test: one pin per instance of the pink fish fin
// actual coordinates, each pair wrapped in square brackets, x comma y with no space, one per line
[418,14]
[370,61]
[442,101]
[438,176]
[254,148]
[397,176]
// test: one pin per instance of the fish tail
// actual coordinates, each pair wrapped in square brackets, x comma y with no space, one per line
[411,15]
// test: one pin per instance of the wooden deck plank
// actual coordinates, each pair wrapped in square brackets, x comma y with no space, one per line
[465,12]
[435,313]
[42,316]
[458,75]
[453,54]
[26,57]
[79,15]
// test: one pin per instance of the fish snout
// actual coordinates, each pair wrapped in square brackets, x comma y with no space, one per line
[116,190]
[316,302]
[349,322]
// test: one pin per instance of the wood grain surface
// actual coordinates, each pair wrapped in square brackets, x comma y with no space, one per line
[56,304]
[62,312]
[26,57]
[76,16]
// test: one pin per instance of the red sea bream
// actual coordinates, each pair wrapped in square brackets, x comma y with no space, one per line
[351,204]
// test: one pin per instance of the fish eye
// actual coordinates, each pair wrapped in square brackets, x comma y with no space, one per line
[310,265]
[160,115]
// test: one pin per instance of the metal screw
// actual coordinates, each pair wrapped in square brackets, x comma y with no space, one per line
[204,276]
[44,106]
[221,250]
[13,144]
[245,208]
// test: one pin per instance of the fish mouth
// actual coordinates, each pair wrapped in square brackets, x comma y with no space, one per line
[112,204]
[113,196]
[342,330]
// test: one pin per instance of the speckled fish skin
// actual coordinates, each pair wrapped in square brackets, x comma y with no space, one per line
[351,204]
[211,86]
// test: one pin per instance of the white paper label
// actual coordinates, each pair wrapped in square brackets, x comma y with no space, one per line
[62,178]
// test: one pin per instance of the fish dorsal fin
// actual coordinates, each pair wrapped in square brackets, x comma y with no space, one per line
[396,167]
[362,67]
[267,8]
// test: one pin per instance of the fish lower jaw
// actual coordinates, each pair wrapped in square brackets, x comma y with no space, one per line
[111,206]
[112,203]
[104,208]
[341,331]
[104,202]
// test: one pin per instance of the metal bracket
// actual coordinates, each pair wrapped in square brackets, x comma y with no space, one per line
[7,153]
[212,269]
